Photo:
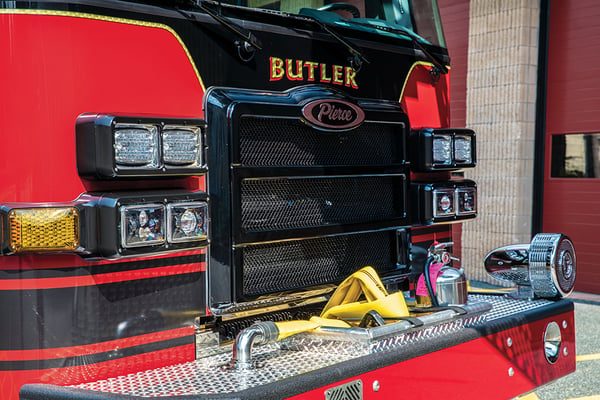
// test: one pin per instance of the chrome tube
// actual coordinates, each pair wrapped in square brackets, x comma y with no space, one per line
[259,333]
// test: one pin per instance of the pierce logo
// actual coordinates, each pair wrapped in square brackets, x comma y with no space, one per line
[333,114]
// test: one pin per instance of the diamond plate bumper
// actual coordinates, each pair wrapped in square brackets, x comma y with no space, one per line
[309,363]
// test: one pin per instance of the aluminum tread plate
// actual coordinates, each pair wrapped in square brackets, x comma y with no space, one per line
[274,362]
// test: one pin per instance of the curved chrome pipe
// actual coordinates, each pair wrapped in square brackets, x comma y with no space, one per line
[259,333]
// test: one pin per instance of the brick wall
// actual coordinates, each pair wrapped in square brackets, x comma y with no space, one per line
[501,93]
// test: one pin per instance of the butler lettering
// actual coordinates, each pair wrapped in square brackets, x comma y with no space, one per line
[333,114]
[311,71]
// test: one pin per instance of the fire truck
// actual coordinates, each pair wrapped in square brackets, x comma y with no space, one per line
[252,199]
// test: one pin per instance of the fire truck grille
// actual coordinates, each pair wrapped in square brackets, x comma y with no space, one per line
[282,203]
[288,142]
[295,205]
[273,267]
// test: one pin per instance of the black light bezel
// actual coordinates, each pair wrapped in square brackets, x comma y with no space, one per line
[106,225]
[423,202]
[94,139]
[421,145]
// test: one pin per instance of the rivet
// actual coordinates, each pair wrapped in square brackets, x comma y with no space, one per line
[509,342]
[565,325]
[376,386]
[565,352]
[511,371]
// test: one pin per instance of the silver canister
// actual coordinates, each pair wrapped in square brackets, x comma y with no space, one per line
[451,287]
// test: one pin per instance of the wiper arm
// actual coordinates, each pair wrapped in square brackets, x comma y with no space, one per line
[250,42]
[357,57]
[413,37]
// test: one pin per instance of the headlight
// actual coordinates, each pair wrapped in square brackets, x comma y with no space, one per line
[466,200]
[136,146]
[114,147]
[443,202]
[142,225]
[182,146]
[463,149]
[187,222]
[442,149]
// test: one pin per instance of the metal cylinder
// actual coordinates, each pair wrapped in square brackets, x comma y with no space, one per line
[259,333]
[451,287]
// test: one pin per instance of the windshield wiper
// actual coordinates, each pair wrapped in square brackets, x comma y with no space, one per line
[249,44]
[357,58]
[439,66]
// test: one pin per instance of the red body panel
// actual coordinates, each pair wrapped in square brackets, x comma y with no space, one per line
[473,369]
[426,103]
[11,382]
[56,66]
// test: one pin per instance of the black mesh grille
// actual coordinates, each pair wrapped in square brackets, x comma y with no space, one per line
[274,267]
[285,142]
[280,203]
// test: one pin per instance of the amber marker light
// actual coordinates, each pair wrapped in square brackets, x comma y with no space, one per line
[42,229]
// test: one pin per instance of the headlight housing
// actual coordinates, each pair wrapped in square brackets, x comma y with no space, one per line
[444,202]
[135,224]
[442,149]
[116,147]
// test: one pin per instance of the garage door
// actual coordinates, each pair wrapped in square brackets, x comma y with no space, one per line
[572,170]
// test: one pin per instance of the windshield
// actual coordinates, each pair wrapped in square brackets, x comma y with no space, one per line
[419,18]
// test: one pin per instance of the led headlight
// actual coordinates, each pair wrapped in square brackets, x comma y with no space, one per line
[113,147]
[182,145]
[547,266]
[136,146]
[463,149]
[442,149]
[466,200]
[187,222]
[142,225]
[443,202]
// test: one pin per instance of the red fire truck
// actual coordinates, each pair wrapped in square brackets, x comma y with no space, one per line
[251,199]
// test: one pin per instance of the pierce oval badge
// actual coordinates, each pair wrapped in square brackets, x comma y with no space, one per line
[333,114]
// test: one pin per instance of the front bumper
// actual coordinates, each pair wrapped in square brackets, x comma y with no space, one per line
[499,353]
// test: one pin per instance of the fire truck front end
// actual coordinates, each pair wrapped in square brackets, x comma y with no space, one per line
[252,201]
